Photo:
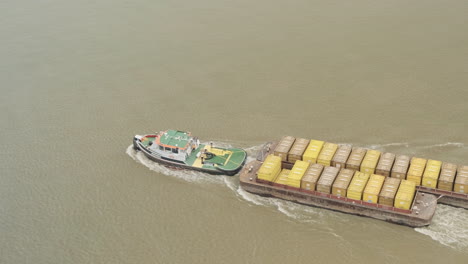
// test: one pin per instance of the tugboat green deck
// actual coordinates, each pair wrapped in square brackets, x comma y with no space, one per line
[180,149]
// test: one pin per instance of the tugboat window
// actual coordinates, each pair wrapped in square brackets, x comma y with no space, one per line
[168,149]
[175,150]
[161,148]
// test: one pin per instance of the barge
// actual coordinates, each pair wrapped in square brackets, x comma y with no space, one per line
[179,149]
[420,212]
[448,181]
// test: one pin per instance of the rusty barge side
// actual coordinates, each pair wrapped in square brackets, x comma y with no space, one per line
[420,215]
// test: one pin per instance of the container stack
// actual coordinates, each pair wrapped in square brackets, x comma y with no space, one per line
[416,170]
[282,177]
[355,158]
[342,181]
[370,161]
[311,177]
[327,153]
[373,187]
[461,182]
[270,168]
[325,182]
[297,149]
[405,195]
[388,192]
[447,176]
[341,156]
[401,167]
[283,147]
[356,187]
[431,173]
[384,167]
[296,173]
[312,151]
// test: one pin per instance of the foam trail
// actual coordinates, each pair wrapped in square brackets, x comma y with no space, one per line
[447,144]
[449,227]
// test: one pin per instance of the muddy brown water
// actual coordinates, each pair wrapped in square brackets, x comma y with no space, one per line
[80,78]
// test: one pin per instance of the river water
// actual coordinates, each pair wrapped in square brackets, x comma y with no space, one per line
[80,78]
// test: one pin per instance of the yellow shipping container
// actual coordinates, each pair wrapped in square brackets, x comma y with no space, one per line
[270,168]
[389,190]
[327,153]
[356,187]
[373,187]
[296,173]
[340,186]
[370,161]
[283,177]
[431,173]
[355,158]
[312,151]
[297,149]
[283,147]
[405,195]
[447,176]
[384,167]
[416,170]
[400,168]
[310,178]
[461,181]
[341,156]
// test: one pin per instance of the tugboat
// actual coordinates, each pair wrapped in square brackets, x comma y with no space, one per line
[180,149]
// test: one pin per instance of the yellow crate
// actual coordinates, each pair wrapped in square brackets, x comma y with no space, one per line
[282,177]
[327,153]
[270,168]
[373,187]
[357,185]
[432,169]
[416,170]
[370,161]
[405,195]
[312,151]
[296,173]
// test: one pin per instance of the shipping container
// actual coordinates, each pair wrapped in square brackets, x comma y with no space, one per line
[461,181]
[312,151]
[327,153]
[447,176]
[370,161]
[384,167]
[342,181]
[388,192]
[311,177]
[270,168]
[297,149]
[283,177]
[431,173]
[405,195]
[283,147]
[356,187]
[400,168]
[327,178]
[296,173]
[416,170]
[373,187]
[355,158]
[341,156]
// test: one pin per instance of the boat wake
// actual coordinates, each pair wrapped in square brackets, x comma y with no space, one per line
[449,227]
